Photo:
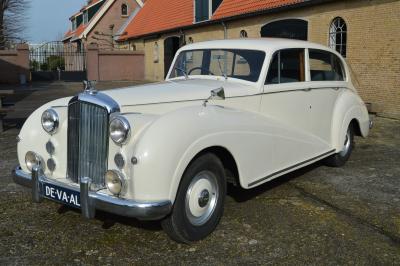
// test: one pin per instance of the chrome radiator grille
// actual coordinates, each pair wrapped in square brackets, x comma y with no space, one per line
[87,142]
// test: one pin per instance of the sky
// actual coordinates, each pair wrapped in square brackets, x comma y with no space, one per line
[49,19]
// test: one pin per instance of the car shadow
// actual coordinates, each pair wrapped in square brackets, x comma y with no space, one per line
[240,194]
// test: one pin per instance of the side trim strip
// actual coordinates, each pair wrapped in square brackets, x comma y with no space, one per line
[291,167]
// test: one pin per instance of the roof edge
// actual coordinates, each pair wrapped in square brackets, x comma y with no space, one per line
[235,17]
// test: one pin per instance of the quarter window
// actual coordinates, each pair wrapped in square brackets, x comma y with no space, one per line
[338,36]
[325,66]
[287,66]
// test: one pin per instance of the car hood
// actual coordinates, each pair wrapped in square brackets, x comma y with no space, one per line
[176,91]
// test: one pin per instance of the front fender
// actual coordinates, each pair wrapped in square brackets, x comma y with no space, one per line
[169,144]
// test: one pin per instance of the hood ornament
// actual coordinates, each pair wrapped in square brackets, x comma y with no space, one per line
[89,86]
[216,94]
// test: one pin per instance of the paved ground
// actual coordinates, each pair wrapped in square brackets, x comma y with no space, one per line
[318,215]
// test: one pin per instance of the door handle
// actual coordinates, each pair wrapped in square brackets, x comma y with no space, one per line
[307,89]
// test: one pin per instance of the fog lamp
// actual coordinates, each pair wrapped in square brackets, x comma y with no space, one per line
[115,182]
[32,159]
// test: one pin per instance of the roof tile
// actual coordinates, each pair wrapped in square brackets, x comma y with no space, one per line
[161,15]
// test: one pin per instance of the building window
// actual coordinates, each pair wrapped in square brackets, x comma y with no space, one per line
[205,8]
[338,36]
[286,28]
[243,34]
[74,24]
[124,10]
[85,17]
[155,53]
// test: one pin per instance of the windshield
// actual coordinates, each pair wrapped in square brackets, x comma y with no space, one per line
[230,63]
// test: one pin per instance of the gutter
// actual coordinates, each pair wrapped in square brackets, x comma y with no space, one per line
[306,3]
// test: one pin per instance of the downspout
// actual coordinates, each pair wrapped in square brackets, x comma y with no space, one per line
[225,30]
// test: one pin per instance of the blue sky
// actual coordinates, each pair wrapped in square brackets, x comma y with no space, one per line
[48,19]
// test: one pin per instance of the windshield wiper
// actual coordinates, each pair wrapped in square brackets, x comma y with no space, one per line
[183,71]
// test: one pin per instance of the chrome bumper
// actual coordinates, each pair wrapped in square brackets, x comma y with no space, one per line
[91,201]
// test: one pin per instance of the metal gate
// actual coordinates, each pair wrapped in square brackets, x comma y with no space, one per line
[58,61]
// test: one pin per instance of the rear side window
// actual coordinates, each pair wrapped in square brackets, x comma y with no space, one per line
[286,66]
[325,66]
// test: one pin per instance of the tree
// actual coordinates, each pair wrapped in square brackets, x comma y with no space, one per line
[12,18]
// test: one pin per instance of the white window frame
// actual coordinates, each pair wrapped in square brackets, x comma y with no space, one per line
[127,10]
[85,17]
[336,27]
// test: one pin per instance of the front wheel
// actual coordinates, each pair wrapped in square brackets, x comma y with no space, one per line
[340,158]
[199,203]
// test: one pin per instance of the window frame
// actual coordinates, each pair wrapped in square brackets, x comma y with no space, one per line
[122,9]
[305,67]
[332,36]
[340,60]
[85,18]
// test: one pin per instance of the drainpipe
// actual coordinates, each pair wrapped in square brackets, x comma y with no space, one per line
[225,30]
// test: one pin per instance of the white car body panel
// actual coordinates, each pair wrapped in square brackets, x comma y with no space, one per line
[268,129]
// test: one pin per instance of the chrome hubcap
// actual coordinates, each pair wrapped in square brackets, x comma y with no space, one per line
[347,144]
[201,198]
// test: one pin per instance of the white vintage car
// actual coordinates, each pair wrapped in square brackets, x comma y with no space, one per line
[241,111]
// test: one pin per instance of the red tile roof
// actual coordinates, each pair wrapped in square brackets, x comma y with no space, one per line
[76,32]
[161,15]
[81,28]
[230,8]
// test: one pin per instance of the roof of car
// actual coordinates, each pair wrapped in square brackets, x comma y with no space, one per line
[264,44]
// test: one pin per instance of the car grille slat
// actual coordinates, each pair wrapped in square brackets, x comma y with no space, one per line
[87,142]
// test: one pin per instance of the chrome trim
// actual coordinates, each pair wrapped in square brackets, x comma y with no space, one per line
[371,124]
[98,98]
[96,200]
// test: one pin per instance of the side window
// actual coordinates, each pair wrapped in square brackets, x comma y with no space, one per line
[325,66]
[286,66]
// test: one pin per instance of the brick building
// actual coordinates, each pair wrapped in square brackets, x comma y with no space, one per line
[99,21]
[366,32]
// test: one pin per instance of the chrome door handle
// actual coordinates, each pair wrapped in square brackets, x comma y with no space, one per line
[307,89]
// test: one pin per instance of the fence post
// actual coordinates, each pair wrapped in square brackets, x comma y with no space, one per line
[92,61]
[23,60]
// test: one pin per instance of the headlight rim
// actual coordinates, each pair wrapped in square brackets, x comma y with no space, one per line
[121,179]
[56,121]
[127,128]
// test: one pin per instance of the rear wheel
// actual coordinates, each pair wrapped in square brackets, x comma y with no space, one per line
[199,202]
[340,158]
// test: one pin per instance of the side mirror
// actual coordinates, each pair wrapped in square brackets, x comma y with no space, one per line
[216,94]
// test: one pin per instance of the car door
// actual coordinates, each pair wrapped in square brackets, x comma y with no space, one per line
[287,98]
[326,80]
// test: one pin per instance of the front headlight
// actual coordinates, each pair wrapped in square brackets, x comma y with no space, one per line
[119,129]
[50,121]
[115,182]
[32,159]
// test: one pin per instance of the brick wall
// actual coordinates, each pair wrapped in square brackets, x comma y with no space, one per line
[14,63]
[105,65]
[111,17]
[373,44]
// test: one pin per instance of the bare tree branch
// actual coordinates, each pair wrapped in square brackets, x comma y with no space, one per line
[13,16]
